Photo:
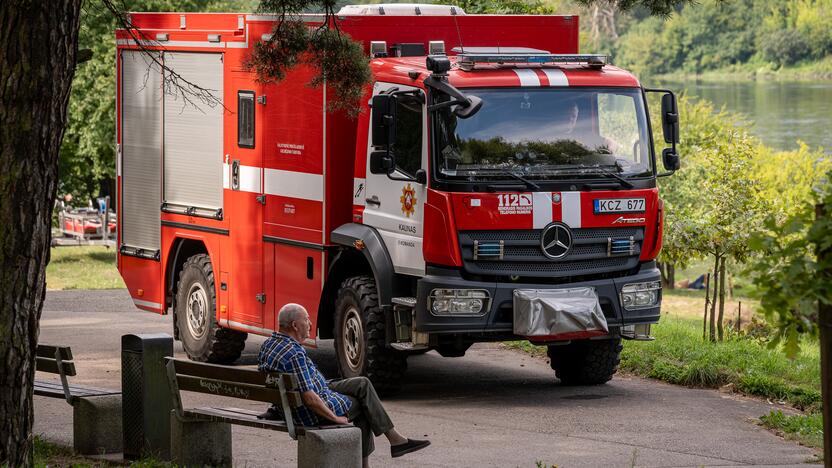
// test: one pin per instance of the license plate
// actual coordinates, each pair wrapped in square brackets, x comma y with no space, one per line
[619,205]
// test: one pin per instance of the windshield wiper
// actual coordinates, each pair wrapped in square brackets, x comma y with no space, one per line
[526,181]
[601,171]
[496,173]
[624,181]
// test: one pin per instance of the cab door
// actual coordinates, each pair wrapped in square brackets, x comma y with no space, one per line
[394,203]
[245,209]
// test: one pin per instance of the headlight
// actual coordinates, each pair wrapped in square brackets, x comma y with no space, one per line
[641,295]
[458,301]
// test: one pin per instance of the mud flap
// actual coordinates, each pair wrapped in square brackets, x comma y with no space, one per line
[558,314]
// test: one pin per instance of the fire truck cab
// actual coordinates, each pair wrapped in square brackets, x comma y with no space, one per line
[495,185]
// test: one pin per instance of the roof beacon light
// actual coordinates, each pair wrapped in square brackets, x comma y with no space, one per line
[438,64]
[472,56]
[400,9]
[436,48]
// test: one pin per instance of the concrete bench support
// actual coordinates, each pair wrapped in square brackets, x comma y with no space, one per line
[330,448]
[96,424]
[200,443]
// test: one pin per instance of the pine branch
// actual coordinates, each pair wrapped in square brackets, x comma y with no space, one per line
[191,93]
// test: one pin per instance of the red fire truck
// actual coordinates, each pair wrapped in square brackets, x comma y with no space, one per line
[496,185]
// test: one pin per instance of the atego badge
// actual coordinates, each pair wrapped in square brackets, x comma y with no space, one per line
[408,200]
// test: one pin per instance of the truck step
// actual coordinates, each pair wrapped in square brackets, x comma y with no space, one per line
[405,301]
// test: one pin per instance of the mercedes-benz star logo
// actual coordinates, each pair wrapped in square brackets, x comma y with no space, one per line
[556,240]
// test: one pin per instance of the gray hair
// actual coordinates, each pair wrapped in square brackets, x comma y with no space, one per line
[289,313]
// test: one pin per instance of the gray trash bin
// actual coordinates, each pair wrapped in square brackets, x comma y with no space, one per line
[146,401]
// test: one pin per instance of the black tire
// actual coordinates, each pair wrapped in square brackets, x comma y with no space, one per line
[203,339]
[586,362]
[359,337]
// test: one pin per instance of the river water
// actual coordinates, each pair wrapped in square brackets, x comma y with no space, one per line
[780,113]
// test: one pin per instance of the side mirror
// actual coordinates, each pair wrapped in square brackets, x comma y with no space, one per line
[670,159]
[474,104]
[421,177]
[384,120]
[381,162]
[670,119]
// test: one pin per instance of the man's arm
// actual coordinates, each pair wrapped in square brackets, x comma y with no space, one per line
[312,401]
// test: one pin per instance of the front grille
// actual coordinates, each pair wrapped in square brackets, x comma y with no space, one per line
[594,251]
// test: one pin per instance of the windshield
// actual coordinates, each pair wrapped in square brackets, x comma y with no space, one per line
[546,134]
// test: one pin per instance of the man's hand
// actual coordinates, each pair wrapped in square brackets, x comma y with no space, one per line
[314,402]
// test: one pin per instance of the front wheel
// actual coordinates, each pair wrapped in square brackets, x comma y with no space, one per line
[585,362]
[360,337]
[195,312]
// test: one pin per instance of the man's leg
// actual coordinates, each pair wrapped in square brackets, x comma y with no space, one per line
[361,389]
[357,417]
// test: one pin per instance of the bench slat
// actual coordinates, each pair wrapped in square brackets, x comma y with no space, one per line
[226,388]
[244,417]
[218,414]
[48,351]
[50,392]
[218,372]
[51,365]
[48,388]
[83,388]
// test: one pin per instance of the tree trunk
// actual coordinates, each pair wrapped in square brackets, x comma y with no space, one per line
[707,303]
[668,272]
[38,45]
[719,323]
[715,281]
[825,327]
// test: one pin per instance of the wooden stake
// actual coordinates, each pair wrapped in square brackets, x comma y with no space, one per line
[739,316]
[707,299]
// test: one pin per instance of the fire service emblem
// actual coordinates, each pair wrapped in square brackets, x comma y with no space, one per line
[408,200]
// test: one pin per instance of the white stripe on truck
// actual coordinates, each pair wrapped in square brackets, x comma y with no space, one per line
[527,77]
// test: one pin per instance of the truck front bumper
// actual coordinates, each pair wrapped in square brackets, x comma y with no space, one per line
[499,316]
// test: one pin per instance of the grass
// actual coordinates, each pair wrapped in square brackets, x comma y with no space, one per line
[804,428]
[84,267]
[679,356]
[49,455]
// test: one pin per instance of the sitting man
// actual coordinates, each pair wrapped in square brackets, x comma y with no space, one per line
[337,402]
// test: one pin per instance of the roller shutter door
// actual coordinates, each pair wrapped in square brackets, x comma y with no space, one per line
[193,136]
[141,125]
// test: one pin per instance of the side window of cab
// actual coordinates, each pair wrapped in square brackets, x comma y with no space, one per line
[407,148]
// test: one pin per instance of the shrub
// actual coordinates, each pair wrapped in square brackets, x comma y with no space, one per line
[784,47]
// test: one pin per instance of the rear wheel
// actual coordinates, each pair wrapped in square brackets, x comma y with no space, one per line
[360,337]
[586,362]
[195,311]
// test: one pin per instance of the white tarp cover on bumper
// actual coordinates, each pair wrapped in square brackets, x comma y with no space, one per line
[558,313]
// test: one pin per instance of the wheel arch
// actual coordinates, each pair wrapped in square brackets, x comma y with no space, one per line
[362,252]
[345,263]
[182,249]
[367,241]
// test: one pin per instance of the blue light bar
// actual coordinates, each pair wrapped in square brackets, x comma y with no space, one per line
[467,58]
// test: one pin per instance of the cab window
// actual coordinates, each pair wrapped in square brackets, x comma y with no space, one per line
[407,148]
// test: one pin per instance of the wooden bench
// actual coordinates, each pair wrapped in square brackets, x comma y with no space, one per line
[96,422]
[202,436]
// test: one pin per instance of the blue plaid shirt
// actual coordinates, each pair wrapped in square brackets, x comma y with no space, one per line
[282,353]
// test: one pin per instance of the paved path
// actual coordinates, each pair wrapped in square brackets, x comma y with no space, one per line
[493,407]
